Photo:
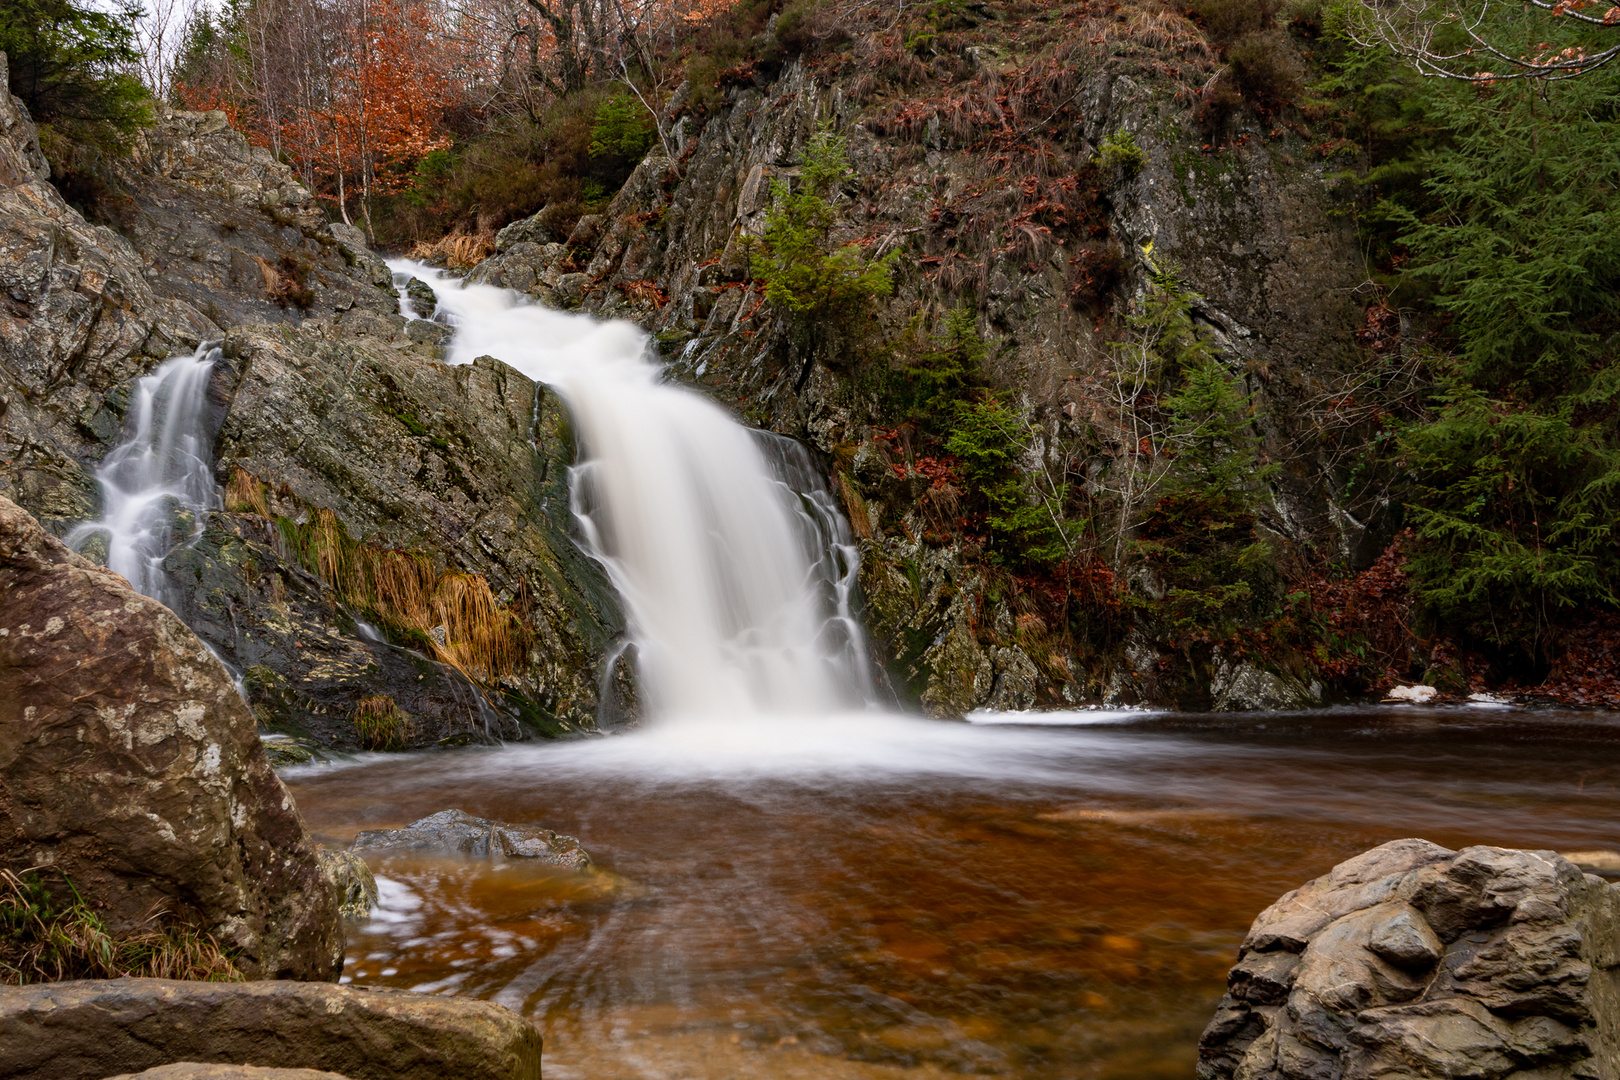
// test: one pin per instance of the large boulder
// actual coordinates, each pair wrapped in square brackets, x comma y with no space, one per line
[93,1029]
[130,766]
[1412,960]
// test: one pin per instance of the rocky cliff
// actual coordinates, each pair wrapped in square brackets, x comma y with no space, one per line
[1049,246]
[348,447]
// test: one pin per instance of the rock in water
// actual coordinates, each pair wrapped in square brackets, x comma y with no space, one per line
[458,832]
[92,1029]
[1415,961]
[129,764]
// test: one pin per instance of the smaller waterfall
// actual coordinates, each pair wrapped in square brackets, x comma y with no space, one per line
[158,484]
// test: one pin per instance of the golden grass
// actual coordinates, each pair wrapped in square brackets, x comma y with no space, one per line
[453,616]
[245,494]
[380,723]
[43,940]
[460,251]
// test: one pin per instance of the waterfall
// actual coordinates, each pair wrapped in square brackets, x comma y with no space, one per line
[158,484]
[728,552]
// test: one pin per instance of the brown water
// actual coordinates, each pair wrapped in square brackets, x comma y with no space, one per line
[876,898]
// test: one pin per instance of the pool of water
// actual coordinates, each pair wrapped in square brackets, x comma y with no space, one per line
[867,896]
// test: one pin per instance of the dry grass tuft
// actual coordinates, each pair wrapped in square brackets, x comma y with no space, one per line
[380,723]
[44,940]
[460,251]
[244,494]
[455,617]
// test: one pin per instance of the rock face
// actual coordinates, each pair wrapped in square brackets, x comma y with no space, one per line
[351,413]
[458,832]
[224,226]
[1250,226]
[89,1030]
[129,764]
[79,321]
[1415,961]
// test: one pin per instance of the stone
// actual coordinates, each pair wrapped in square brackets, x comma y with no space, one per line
[91,1029]
[1412,960]
[193,1070]
[351,879]
[1244,687]
[423,299]
[529,230]
[1602,863]
[1417,695]
[130,766]
[458,832]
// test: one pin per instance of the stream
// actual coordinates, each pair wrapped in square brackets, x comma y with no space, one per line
[865,895]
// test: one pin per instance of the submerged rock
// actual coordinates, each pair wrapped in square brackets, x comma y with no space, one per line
[130,767]
[1412,960]
[79,1030]
[458,832]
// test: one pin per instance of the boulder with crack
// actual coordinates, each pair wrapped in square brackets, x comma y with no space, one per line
[1412,960]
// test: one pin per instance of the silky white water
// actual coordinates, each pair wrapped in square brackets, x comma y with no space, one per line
[159,476]
[731,560]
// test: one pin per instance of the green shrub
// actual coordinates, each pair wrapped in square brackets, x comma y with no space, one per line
[928,389]
[622,132]
[1119,151]
[826,289]
[1026,524]
[1519,469]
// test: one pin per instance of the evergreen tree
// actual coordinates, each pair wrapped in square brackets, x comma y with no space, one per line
[1518,471]
[71,65]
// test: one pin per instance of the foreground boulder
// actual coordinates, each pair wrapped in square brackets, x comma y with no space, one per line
[1415,961]
[192,1070]
[459,833]
[130,766]
[94,1029]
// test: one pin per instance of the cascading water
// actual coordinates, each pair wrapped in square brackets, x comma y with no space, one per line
[733,564]
[159,476]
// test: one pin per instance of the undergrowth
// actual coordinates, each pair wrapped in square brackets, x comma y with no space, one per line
[46,939]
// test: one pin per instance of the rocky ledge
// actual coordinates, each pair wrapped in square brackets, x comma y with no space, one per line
[1412,960]
[93,1029]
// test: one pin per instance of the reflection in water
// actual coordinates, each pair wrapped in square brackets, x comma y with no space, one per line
[878,897]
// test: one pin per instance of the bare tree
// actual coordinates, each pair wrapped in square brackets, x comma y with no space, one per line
[1484,41]
[158,35]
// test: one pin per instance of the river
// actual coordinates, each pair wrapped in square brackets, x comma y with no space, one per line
[870,896]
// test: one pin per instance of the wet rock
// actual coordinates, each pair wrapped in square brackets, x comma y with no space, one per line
[82,1030]
[129,764]
[351,880]
[422,297]
[529,230]
[1602,863]
[1241,686]
[1412,960]
[457,832]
